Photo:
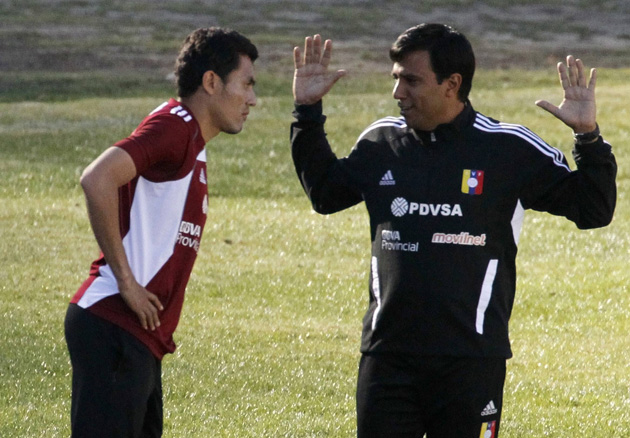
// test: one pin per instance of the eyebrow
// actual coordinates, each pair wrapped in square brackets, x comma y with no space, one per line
[407,76]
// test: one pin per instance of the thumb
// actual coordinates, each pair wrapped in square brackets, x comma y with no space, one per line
[547,106]
[339,75]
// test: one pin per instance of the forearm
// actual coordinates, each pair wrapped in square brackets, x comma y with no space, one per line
[103,212]
[312,155]
[100,182]
[318,168]
[586,196]
[598,169]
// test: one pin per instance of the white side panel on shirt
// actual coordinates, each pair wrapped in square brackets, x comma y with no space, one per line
[376,288]
[101,288]
[156,214]
[486,294]
[517,221]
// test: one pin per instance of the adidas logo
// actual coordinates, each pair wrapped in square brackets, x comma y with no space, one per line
[489,409]
[388,179]
[202,177]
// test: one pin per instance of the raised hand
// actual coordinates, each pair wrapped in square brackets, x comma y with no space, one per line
[312,80]
[577,110]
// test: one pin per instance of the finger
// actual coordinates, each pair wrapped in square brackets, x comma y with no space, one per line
[143,320]
[297,58]
[572,71]
[149,319]
[581,79]
[308,50]
[593,80]
[327,53]
[317,48]
[152,318]
[153,299]
[562,74]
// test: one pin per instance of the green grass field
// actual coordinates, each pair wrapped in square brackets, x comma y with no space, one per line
[268,344]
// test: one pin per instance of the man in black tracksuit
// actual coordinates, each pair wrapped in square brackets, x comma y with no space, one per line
[446,189]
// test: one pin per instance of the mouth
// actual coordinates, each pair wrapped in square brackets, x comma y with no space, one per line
[404,108]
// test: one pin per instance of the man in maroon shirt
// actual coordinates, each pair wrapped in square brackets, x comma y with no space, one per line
[147,201]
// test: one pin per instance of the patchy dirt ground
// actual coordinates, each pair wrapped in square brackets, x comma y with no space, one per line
[137,35]
[526,34]
[530,36]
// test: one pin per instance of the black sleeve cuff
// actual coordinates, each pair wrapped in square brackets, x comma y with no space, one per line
[587,137]
[599,148]
[310,113]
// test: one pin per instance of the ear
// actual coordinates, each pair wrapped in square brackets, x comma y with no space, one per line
[453,83]
[211,82]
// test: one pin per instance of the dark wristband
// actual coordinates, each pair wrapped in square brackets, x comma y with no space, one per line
[310,113]
[587,137]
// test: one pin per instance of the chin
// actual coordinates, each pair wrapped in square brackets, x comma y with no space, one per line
[416,126]
[234,130]
[411,122]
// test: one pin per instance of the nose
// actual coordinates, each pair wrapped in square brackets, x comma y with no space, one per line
[252,99]
[397,92]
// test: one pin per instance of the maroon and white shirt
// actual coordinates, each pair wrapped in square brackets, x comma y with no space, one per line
[162,214]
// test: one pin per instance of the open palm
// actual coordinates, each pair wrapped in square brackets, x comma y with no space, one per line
[312,80]
[578,109]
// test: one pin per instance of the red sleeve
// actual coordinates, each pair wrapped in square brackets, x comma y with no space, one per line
[158,143]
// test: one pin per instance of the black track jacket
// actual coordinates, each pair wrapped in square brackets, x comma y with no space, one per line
[446,209]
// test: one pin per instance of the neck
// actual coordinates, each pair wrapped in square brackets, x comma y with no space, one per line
[198,105]
[454,111]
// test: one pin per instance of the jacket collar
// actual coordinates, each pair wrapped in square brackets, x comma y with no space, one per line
[450,130]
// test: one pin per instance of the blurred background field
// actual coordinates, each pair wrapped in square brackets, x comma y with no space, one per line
[268,343]
[56,49]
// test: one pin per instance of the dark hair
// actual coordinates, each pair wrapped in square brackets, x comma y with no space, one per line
[207,49]
[449,52]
